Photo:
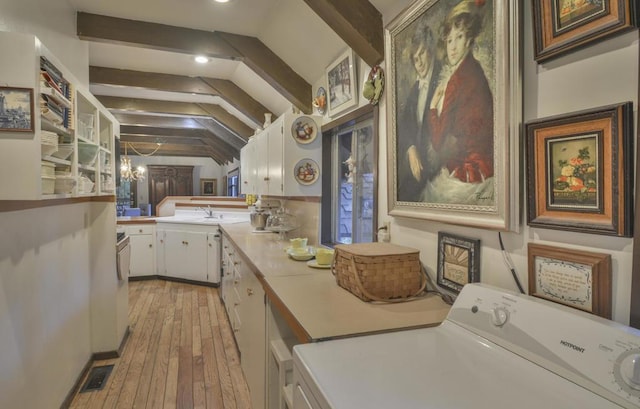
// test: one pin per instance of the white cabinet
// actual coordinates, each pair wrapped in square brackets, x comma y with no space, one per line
[248,170]
[68,152]
[213,257]
[143,257]
[244,300]
[189,252]
[276,155]
[185,254]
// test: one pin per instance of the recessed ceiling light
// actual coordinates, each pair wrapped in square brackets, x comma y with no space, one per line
[221,1]
[201,59]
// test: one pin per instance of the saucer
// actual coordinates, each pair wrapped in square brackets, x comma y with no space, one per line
[314,264]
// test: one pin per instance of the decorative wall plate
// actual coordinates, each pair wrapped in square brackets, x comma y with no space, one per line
[320,101]
[304,130]
[306,172]
[374,85]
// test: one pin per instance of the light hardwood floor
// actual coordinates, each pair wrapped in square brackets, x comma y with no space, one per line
[180,353]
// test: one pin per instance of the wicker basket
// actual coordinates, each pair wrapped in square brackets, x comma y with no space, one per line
[379,271]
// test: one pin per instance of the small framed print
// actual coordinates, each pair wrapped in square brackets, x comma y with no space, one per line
[580,171]
[208,187]
[578,279]
[341,77]
[16,109]
[562,26]
[458,261]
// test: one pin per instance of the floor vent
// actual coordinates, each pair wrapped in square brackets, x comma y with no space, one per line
[97,378]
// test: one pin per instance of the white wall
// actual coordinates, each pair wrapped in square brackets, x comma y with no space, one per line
[599,75]
[202,168]
[602,74]
[50,256]
[54,23]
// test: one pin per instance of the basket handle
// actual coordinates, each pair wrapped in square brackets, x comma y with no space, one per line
[392,300]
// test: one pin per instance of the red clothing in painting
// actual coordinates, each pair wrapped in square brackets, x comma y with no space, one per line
[467,119]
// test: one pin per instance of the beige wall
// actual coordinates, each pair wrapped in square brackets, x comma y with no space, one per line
[602,74]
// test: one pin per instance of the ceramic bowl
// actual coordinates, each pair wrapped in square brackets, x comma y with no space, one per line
[324,256]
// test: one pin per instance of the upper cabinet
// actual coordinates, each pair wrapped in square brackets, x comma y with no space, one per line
[284,159]
[64,146]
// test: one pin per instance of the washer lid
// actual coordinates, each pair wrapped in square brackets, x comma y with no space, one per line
[446,367]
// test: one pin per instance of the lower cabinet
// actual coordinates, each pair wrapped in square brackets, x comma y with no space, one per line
[244,300]
[189,252]
[143,256]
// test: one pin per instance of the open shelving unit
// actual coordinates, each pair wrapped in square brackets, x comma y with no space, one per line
[69,153]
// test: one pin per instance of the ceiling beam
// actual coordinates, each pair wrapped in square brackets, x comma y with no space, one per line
[221,116]
[224,89]
[175,150]
[125,118]
[249,50]
[357,22]
[225,149]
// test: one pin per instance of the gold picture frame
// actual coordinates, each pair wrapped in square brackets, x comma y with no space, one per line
[579,171]
[578,279]
[486,166]
[208,186]
[561,27]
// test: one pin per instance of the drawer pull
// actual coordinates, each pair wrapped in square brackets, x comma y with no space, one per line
[150,245]
[249,292]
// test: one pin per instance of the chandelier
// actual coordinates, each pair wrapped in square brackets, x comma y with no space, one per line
[127,172]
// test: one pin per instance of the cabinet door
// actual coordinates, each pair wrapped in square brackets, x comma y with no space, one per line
[142,255]
[274,155]
[161,269]
[213,257]
[253,345]
[262,162]
[247,169]
[186,255]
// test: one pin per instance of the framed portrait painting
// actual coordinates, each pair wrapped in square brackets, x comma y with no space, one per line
[454,112]
[579,171]
[458,261]
[16,109]
[208,187]
[578,279]
[562,26]
[341,81]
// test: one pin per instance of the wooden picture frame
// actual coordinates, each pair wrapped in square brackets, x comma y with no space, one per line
[208,186]
[578,279]
[16,109]
[465,148]
[561,27]
[458,261]
[580,171]
[342,85]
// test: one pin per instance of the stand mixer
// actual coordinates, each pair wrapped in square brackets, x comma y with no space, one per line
[261,211]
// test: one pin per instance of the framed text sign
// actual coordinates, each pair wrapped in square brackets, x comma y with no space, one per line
[578,279]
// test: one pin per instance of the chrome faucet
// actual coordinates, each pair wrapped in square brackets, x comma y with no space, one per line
[208,211]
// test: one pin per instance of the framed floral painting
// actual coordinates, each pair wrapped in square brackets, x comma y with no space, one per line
[579,171]
[454,112]
[562,26]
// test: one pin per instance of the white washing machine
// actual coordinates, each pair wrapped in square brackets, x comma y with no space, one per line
[495,350]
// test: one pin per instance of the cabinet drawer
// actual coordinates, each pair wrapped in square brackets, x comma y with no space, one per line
[139,229]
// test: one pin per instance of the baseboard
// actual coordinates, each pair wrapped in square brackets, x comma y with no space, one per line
[178,280]
[98,356]
[77,384]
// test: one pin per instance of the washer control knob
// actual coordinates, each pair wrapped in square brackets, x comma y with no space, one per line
[630,369]
[500,316]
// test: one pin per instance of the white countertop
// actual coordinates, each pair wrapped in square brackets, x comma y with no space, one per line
[311,296]
[200,217]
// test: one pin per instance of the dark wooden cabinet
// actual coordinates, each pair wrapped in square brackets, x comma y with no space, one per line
[168,180]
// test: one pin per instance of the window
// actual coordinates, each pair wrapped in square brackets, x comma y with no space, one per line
[233,183]
[350,160]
